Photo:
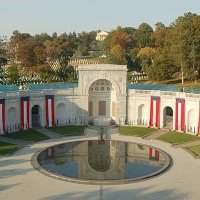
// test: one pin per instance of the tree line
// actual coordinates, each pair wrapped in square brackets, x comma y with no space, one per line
[164,53]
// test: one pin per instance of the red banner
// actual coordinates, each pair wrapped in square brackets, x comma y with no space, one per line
[25,113]
[49,107]
[180,115]
[154,112]
[2,116]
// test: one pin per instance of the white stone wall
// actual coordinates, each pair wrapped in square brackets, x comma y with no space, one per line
[136,98]
[71,105]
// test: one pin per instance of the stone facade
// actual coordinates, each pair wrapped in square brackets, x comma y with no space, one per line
[101,91]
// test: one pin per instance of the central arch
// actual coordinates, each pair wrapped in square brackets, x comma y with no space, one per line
[36,116]
[102,100]
[168,117]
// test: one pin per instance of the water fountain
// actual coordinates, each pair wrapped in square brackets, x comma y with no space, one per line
[103,127]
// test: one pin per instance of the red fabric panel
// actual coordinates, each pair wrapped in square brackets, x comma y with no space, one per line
[183,115]
[157,155]
[199,123]
[151,112]
[158,112]
[47,113]
[150,152]
[176,117]
[52,110]
[28,112]
[3,115]
[22,114]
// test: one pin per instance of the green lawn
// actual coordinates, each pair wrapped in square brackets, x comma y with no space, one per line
[135,131]
[27,135]
[195,150]
[7,148]
[69,130]
[177,138]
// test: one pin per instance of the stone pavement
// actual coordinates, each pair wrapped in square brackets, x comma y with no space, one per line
[187,144]
[49,133]
[19,180]
[156,134]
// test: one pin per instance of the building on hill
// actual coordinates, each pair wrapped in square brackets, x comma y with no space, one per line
[101,93]
[101,35]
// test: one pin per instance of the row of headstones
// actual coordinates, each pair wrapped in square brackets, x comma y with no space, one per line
[75,121]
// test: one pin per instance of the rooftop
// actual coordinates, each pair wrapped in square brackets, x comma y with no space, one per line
[58,85]
[134,86]
[100,67]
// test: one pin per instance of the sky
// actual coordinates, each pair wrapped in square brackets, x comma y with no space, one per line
[39,16]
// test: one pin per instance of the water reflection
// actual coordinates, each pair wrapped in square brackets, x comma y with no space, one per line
[102,160]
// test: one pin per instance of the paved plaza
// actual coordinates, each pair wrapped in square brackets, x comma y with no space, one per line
[19,180]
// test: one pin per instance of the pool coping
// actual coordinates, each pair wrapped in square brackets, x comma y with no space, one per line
[38,167]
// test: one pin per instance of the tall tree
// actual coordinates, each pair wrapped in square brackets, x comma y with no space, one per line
[144,35]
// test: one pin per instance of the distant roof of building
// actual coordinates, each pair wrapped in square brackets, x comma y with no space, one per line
[8,88]
[103,33]
[152,86]
[100,67]
[135,86]
[58,85]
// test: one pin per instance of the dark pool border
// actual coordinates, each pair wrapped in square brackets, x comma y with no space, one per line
[164,169]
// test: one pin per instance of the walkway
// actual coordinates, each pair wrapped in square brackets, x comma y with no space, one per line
[14,141]
[156,134]
[19,180]
[187,144]
[48,133]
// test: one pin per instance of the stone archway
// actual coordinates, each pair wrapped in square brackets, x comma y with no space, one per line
[191,121]
[36,116]
[168,117]
[102,100]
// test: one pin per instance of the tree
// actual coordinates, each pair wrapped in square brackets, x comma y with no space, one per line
[146,56]
[162,68]
[184,38]
[144,35]
[58,51]
[65,73]
[118,37]
[118,55]
[159,26]
[118,45]
[13,74]
[25,53]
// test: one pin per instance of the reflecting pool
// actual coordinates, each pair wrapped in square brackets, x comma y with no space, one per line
[106,162]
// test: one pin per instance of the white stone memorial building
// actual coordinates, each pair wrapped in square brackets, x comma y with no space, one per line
[102,92]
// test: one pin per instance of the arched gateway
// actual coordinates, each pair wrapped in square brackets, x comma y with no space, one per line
[105,87]
[102,100]
[36,116]
[168,117]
